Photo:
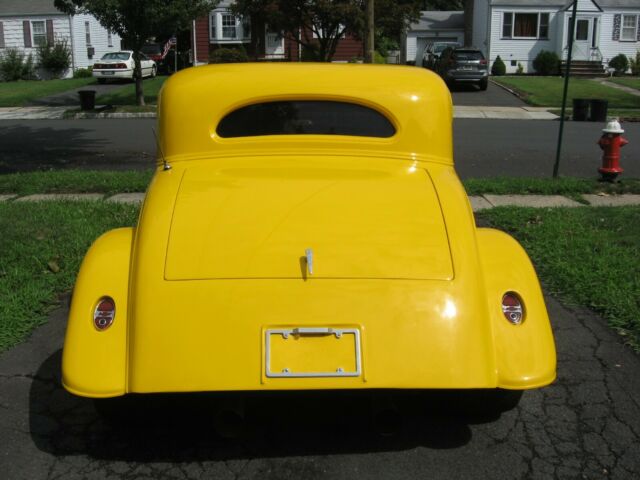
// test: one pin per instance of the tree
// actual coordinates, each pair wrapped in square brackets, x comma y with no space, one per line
[318,25]
[138,20]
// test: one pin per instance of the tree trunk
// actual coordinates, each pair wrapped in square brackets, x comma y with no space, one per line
[137,75]
[369,48]
[468,23]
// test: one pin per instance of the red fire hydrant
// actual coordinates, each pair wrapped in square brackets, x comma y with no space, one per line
[611,142]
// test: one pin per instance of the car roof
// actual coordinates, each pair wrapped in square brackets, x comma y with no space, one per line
[415,100]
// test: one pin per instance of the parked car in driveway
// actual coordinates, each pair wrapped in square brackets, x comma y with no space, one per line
[463,65]
[305,233]
[114,65]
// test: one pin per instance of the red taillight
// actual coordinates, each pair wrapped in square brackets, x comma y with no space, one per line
[104,313]
[512,308]
[483,62]
[120,65]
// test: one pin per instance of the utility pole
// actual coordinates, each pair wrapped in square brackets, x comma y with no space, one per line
[572,30]
[370,44]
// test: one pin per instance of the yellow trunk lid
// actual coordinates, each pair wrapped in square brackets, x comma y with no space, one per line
[380,220]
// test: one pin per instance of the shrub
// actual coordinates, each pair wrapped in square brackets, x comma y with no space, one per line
[634,63]
[55,57]
[378,58]
[83,72]
[228,55]
[15,66]
[547,63]
[520,69]
[620,62]
[498,68]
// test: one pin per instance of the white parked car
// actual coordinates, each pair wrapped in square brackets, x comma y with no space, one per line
[121,65]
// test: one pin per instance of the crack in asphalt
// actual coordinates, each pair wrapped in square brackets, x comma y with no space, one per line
[586,425]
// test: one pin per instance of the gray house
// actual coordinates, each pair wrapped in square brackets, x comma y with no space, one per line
[518,30]
[26,24]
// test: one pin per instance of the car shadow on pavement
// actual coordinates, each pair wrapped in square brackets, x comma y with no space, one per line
[199,427]
[38,147]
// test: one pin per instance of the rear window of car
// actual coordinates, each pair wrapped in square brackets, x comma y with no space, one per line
[301,117]
[468,55]
[116,56]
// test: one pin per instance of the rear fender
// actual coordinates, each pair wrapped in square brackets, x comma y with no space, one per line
[94,362]
[525,353]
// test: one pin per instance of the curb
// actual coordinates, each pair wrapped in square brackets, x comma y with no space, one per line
[478,202]
[91,115]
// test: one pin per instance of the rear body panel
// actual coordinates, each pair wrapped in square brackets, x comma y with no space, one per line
[308,261]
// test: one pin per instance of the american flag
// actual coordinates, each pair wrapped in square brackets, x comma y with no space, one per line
[167,47]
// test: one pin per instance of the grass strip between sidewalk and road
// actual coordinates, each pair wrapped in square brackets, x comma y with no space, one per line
[127,95]
[125,181]
[18,94]
[587,256]
[41,247]
[76,181]
[547,91]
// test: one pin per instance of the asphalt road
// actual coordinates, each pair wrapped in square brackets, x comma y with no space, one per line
[483,148]
[586,425]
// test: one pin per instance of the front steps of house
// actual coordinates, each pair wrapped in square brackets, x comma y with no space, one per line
[584,68]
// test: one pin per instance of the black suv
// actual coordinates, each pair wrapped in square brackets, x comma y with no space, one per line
[463,64]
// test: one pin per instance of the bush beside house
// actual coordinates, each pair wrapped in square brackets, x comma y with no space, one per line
[498,68]
[547,63]
[620,62]
[15,65]
[54,58]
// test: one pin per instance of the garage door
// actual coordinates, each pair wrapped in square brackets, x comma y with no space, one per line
[421,43]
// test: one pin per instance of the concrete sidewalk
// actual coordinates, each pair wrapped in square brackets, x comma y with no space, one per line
[478,202]
[461,111]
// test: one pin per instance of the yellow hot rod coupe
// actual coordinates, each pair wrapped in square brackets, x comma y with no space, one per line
[305,229]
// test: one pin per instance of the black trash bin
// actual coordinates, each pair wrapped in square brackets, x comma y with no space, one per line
[87,99]
[599,110]
[580,109]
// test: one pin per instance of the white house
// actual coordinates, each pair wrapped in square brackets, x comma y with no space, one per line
[518,30]
[434,26]
[26,24]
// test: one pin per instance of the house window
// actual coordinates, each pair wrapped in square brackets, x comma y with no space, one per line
[229,26]
[109,39]
[525,25]
[87,33]
[543,28]
[629,31]
[38,33]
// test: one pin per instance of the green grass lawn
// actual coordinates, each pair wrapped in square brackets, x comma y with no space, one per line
[16,94]
[41,247]
[75,181]
[127,95]
[587,256]
[628,114]
[547,91]
[111,182]
[633,82]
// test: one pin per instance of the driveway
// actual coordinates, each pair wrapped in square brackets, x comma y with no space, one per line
[494,96]
[586,425]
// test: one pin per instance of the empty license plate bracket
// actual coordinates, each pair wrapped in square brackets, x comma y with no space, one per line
[308,352]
